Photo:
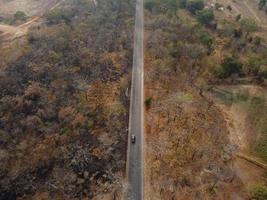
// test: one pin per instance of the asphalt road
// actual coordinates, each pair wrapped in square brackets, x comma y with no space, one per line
[136,122]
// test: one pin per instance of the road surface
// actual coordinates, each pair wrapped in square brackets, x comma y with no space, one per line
[136,124]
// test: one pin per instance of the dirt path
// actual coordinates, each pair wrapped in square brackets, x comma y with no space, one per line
[249,173]
[12,32]
[246,8]
[9,33]
[5,29]
[30,7]
[255,161]
[256,17]
[235,122]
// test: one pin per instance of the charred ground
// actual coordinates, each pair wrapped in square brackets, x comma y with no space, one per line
[63,108]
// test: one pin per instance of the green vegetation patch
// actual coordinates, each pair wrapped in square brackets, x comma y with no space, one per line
[249,25]
[228,67]
[20,15]
[262,5]
[148,102]
[195,5]
[57,16]
[259,193]
[17,17]
[182,97]
[258,116]
[205,16]
[207,40]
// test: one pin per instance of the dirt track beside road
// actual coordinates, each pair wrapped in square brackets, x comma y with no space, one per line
[9,33]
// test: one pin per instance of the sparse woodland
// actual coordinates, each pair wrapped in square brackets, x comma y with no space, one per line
[63,108]
[188,52]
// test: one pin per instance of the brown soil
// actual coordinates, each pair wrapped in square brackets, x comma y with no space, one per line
[249,168]
[8,32]
[30,7]
[250,174]
[247,8]
[186,144]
